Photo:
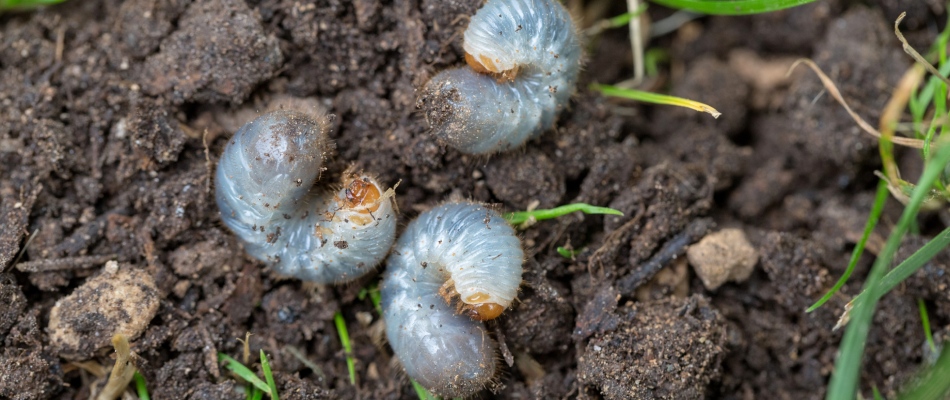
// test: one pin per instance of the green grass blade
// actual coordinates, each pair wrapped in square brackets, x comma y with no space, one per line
[877,393]
[269,376]
[347,346]
[26,4]
[422,392]
[141,388]
[879,200]
[568,253]
[925,321]
[245,373]
[844,381]
[517,218]
[652,59]
[732,7]
[654,98]
[257,394]
[914,262]
[935,386]
[907,268]
[372,290]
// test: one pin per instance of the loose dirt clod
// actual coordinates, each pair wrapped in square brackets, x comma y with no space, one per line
[123,301]
[668,349]
[219,53]
[722,256]
[12,303]
[29,374]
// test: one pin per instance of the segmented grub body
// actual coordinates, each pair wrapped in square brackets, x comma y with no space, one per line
[264,189]
[524,57]
[455,265]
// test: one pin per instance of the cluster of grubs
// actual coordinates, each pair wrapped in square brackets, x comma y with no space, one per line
[455,265]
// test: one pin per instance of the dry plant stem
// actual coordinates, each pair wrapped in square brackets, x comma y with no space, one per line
[914,54]
[833,90]
[64,264]
[892,113]
[673,248]
[636,42]
[122,371]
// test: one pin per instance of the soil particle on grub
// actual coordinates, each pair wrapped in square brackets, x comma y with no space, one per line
[27,374]
[667,349]
[114,302]
[219,53]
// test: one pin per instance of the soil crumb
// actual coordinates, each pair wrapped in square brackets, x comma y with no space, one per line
[722,256]
[219,53]
[667,349]
[122,301]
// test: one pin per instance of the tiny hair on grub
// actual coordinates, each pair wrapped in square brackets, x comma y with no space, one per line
[455,266]
[264,189]
[523,59]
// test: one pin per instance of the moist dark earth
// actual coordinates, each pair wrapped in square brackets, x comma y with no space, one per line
[114,114]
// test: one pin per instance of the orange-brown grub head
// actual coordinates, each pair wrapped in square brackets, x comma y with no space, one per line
[484,65]
[362,192]
[477,308]
[483,311]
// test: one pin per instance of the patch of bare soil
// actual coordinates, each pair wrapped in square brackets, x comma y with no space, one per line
[114,114]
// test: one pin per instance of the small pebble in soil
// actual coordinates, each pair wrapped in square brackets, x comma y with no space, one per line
[524,58]
[723,256]
[120,300]
[264,189]
[456,265]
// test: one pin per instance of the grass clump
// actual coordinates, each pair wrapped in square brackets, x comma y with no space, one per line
[930,191]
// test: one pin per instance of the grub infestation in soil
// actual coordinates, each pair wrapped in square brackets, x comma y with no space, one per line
[115,115]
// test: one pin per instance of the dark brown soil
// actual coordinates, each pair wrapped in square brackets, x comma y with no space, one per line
[114,114]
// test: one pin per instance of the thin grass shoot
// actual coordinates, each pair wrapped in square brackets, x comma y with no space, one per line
[520,217]
[732,7]
[925,322]
[879,200]
[141,387]
[347,346]
[269,376]
[654,98]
